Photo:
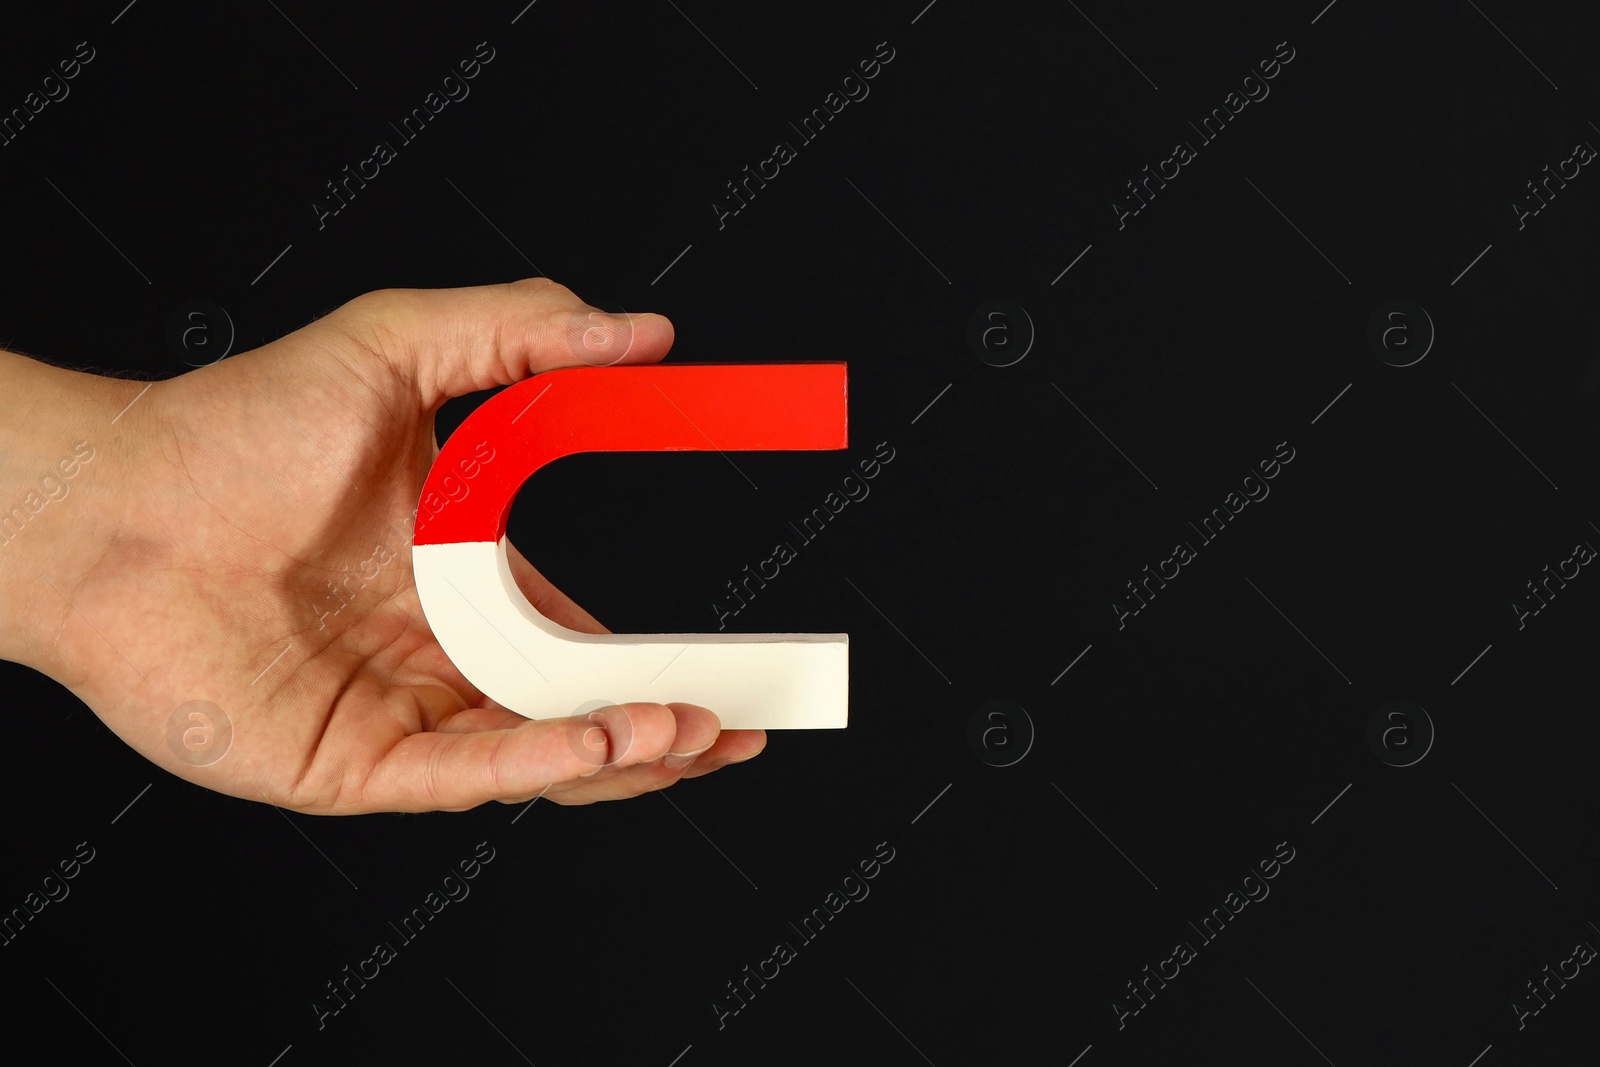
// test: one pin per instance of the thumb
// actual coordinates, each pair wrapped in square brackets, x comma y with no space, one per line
[451,342]
[454,771]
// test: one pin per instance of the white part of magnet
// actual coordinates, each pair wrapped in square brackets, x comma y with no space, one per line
[541,669]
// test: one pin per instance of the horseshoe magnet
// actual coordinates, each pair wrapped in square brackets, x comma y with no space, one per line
[540,669]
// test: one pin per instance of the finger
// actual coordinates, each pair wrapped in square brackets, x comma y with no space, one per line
[733,746]
[452,342]
[698,737]
[645,777]
[549,601]
[698,733]
[698,730]
[490,717]
[449,771]
[477,720]
[622,785]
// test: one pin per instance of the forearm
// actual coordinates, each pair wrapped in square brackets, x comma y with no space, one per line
[57,477]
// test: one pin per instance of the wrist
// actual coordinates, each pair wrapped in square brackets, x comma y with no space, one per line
[58,496]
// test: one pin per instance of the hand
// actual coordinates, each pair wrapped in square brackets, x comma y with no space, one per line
[242,537]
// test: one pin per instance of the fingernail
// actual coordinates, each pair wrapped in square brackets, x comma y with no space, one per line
[675,760]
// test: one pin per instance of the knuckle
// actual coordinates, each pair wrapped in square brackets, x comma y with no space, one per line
[373,319]
[371,304]
[493,766]
[432,776]
[544,287]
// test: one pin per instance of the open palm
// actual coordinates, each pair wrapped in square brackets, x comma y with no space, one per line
[249,619]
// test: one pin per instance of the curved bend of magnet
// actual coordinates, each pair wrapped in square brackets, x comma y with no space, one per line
[538,668]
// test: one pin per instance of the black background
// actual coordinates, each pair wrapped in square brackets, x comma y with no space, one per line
[1227,717]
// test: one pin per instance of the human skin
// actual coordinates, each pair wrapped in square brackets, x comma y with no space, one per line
[183,560]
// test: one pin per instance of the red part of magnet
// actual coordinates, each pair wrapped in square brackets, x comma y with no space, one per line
[726,407]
